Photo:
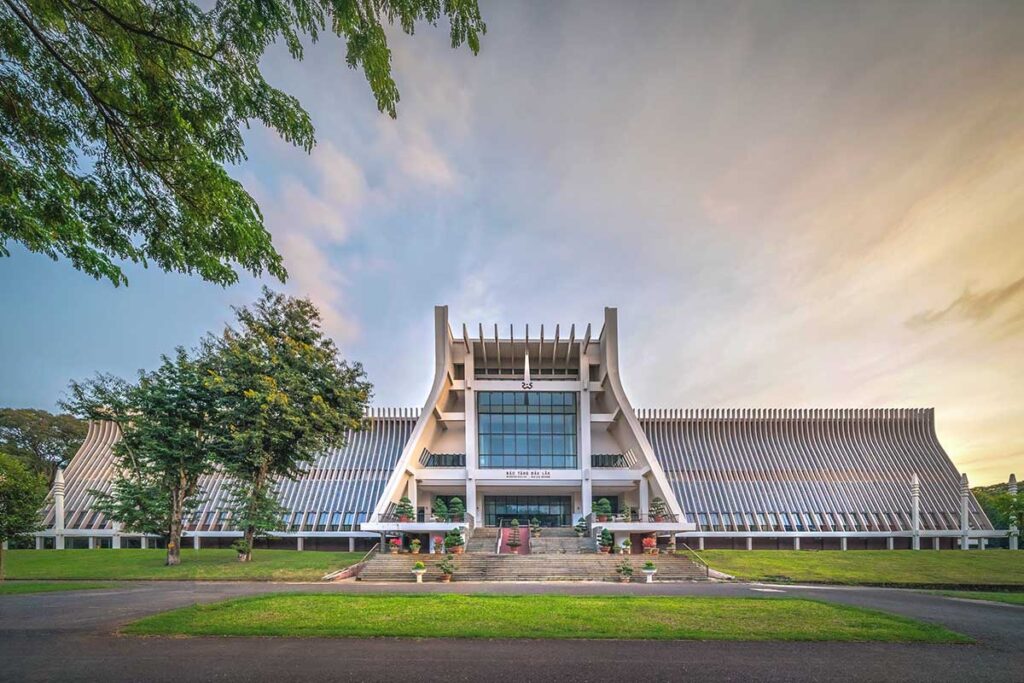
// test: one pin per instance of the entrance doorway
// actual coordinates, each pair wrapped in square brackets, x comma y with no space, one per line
[549,510]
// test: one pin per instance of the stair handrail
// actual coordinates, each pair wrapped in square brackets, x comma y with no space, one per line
[699,560]
[497,546]
[357,566]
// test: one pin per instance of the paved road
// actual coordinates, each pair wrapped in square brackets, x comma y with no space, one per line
[72,637]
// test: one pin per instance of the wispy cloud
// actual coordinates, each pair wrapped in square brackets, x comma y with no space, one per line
[975,306]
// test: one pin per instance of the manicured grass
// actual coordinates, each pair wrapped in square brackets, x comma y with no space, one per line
[202,565]
[539,616]
[878,567]
[993,596]
[20,587]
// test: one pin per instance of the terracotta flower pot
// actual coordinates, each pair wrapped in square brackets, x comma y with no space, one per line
[445,578]
[624,579]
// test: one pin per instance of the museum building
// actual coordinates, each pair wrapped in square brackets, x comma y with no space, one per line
[538,427]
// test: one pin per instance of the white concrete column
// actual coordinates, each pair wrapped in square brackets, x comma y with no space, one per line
[982,543]
[92,543]
[796,543]
[143,542]
[3,545]
[890,543]
[39,542]
[585,443]
[915,511]
[750,543]
[472,452]
[842,543]
[352,543]
[936,543]
[115,541]
[965,493]
[413,495]
[298,543]
[700,543]
[645,495]
[1011,488]
[58,509]
[196,543]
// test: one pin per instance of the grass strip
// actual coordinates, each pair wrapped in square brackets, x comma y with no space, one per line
[873,567]
[196,565]
[22,587]
[540,616]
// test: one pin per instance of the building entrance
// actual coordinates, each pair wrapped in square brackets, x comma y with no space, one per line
[549,510]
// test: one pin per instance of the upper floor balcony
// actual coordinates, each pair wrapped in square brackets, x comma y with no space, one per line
[428,459]
[625,460]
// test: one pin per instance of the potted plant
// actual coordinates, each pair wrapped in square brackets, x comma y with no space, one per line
[419,569]
[241,547]
[414,546]
[650,545]
[513,537]
[581,528]
[440,510]
[453,542]
[535,527]
[603,508]
[658,509]
[404,509]
[447,568]
[395,545]
[456,510]
[625,571]
[650,570]
[627,546]
[606,541]
[627,514]
[438,545]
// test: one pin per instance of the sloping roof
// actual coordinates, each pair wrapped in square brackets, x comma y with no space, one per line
[342,484]
[735,469]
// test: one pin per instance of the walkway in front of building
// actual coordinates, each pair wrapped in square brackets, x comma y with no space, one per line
[72,636]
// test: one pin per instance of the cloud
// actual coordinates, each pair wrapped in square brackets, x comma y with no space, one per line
[973,306]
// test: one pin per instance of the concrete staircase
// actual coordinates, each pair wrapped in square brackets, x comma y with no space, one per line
[483,540]
[561,542]
[385,567]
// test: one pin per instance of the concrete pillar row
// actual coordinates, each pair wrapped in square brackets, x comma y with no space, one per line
[299,543]
[196,543]
[58,509]
[965,493]
[750,543]
[351,544]
[842,543]
[915,499]
[1011,488]
[890,543]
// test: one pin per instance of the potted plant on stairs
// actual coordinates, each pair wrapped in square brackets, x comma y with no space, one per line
[535,528]
[447,568]
[440,510]
[414,546]
[456,510]
[404,509]
[626,547]
[581,528]
[606,541]
[438,545]
[650,545]
[395,545]
[625,571]
[419,569]
[453,542]
[603,509]
[650,569]
[513,537]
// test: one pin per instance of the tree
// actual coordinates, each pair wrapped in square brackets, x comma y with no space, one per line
[1011,507]
[118,117]
[42,441]
[22,493]
[283,397]
[164,449]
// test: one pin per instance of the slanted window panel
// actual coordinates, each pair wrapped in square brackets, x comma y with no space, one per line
[527,430]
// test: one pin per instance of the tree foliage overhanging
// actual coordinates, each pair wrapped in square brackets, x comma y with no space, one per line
[41,440]
[118,117]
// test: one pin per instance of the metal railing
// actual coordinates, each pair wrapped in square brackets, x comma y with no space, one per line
[428,459]
[357,566]
[697,559]
[634,517]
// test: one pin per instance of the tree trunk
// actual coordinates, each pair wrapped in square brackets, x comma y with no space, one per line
[174,531]
[250,537]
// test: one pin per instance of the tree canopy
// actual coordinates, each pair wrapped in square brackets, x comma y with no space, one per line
[22,493]
[164,447]
[118,117]
[41,440]
[283,397]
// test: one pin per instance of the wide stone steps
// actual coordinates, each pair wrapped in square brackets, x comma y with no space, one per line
[549,544]
[490,567]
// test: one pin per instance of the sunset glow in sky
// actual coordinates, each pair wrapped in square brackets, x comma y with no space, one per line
[792,205]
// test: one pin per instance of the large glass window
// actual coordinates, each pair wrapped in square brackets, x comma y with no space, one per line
[527,430]
[548,510]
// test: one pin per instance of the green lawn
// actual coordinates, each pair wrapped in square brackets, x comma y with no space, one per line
[202,565]
[20,587]
[1008,598]
[539,616]
[879,567]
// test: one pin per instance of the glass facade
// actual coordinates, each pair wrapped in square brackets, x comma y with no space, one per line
[548,510]
[526,429]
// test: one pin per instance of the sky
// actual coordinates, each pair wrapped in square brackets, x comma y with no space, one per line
[791,204]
